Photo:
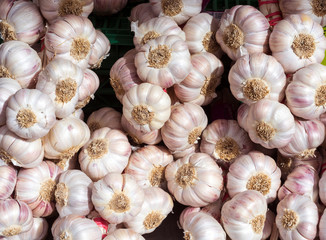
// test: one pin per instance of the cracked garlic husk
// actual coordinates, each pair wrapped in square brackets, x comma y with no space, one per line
[142,13]
[194,180]
[100,50]
[104,117]
[117,197]
[297,218]
[244,216]
[8,179]
[108,150]
[87,89]
[124,234]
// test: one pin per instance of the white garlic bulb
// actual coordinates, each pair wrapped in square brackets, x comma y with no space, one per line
[163,61]
[242,114]
[194,180]
[146,106]
[87,89]
[147,165]
[100,50]
[38,231]
[269,225]
[30,114]
[322,188]
[254,171]
[297,41]
[243,216]
[322,226]
[124,234]
[75,227]
[117,197]
[107,151]
[17,53]
[297,217]
[142,12]
[104,117]
[8,179]
[243,30]
[270,124]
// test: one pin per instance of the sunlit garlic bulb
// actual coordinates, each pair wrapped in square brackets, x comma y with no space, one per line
[147,107]
[104,117]
[147,165]
[142,12]
[124,234]
[87,89]
[200,85]
[36,186]
[297,218]
[8,179]
[200,33]
[254,171]
[107,151]
[225,141]
[297,41]
[243,216]
[100,50]
[30,114]
[243,30]
[270,124]
[163,61]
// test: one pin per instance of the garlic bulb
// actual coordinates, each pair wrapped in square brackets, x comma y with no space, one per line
[254,171]
[52,10]
[243,30]
[322,188]
[147,165]
[307,137]
[23,22]
[243,216]
[225,141]
[65,139]
[153,29]
[146,106]
[117,197]
[16,217]
[107,151]
[38,231]
[17,53]
[104,117]
[19,151]
[75,227]
[157,205]
[200,225]
[8,179]
[61,80]
[297,217]
[270,124]
[322,226]
[36,186]
[200,33]
[257,76]
[108,7]
[179,10]
[100,50]
[30,114]
[242,114]
[142,13]
[305,95]
[71,37]
[268,226]
[184,127]
[163,61]
[8,87]
[297,41]
[88,87]
[199,86]
[124,234]
[194,180]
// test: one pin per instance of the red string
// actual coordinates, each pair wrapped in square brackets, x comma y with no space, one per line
[273,14]
[274,21]
[266,2]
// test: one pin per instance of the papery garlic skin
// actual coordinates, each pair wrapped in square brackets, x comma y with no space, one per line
[124,234]
[322,227]
[16,217]
[87,89]
[243,30]
[257,76]
[75,227]
[107,151]
[8,87]
[61,80]
[163,61]
[19,151]
[30,114]
[194,180]
[17,53]
[100,50]
[297,217]
[180,11]
[142,13]
[104,117]
[254,171]
[117,197]
[270,124]
[297,41]
[108,7]
[146,106]
[243,216]
[38,231]
[147,165]
[305,93]
[8,179]
[225,141]
[72,38]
